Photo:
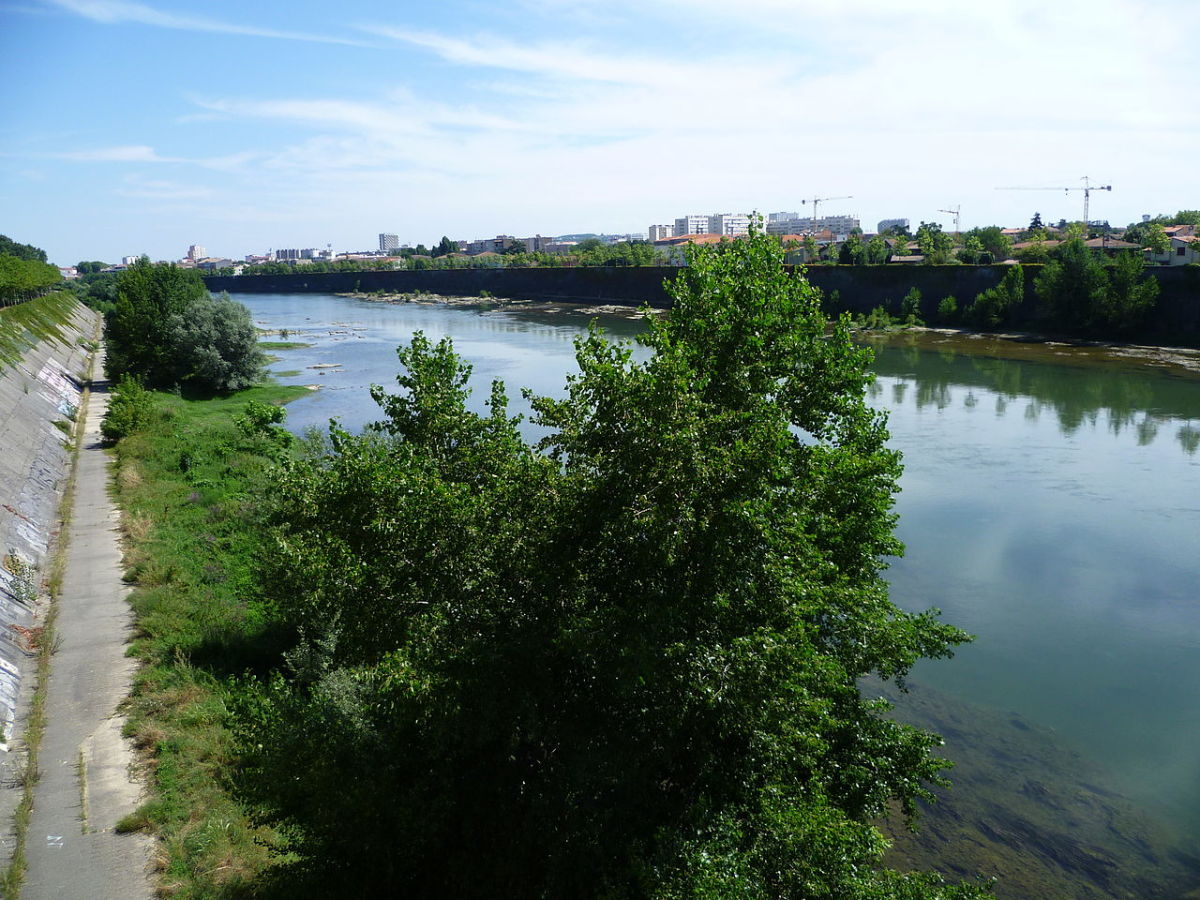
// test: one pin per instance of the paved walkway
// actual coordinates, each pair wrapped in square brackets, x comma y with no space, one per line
[71,856]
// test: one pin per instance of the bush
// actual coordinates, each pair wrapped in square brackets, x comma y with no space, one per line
[910,307]
[168,330]
[991,307]
[215,346]
[130,406]
[947,310]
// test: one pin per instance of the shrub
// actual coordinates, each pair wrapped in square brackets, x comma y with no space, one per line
[129,408]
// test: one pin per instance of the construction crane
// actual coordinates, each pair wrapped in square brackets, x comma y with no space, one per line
[1087,189]
[954,212]
[816,202]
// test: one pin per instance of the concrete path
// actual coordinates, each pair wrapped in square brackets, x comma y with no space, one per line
[72,849]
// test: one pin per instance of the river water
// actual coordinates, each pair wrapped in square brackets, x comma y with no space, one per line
[1050,506]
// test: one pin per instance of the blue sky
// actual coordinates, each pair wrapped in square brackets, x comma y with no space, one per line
[136,127]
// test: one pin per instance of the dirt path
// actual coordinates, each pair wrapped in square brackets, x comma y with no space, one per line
[85,788]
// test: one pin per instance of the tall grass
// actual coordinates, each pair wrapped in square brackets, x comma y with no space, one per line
[190,482]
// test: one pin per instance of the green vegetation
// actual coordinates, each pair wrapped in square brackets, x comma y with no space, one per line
[1076,291]
[24,272]
[282,345]
[167,330]
[9,247]
[621,663]
[26,324]
[993,306]
[190,482]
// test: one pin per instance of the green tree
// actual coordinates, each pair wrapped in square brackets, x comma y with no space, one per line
[215,346]
[1156,239]
[1129,295]
[89,268]
[994,241]
[877,252]
[852,252]
[623,663]
[993,306]
[166,330]
[27,252]
[445,246]
[936,246]
[138,330]
[972,252]
[1071,287]
[1035,224]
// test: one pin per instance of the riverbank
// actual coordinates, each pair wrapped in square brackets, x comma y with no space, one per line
[189,482]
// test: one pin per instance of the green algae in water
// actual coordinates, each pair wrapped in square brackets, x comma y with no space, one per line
[1032,813]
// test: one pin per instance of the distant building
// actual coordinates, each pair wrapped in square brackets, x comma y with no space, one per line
[841,226]
[892,225]
[729,224]
[659,232]
[537,243]
[129,260]
[782,216]
[388,243]
[295,254]
[691,224]
[498,244]
[196,252]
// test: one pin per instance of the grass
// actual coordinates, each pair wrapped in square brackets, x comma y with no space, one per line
[283,345]
[188,484]
[28,324]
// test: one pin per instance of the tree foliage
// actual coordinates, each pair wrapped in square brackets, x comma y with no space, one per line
[936,246]
[166,330]
[993,306]
[22,279]
[623,662]
[27,252]
[1076,291]
[215,346]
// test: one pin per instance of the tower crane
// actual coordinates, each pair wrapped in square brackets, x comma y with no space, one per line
[817,201]
[954,212]
[1087,189]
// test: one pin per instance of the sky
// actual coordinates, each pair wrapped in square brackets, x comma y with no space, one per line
[143,127]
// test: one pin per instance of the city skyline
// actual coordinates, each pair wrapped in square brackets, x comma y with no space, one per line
[150,126]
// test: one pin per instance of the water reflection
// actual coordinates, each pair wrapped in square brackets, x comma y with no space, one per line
[1078,397]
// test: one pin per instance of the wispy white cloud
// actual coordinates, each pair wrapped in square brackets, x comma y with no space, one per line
[155,189]
[115,12]
[130,153]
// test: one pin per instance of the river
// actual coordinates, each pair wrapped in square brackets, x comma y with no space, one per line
[1050,506]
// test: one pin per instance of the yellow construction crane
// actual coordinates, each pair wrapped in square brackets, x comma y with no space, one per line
[816,202]
[1087,189]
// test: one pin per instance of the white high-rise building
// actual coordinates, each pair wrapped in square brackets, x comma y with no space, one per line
[692,224]
[661,232]
[195,252]
[731,224]
[388,243]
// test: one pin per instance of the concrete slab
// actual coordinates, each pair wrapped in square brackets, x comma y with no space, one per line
[72,848]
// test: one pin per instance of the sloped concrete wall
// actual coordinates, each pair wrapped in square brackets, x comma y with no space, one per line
[44,387]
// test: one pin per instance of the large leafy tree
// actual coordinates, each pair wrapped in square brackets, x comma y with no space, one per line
[166,330]
[1076,291]
[624,662]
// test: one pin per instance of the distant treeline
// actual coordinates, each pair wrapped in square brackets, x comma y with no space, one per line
[24,272]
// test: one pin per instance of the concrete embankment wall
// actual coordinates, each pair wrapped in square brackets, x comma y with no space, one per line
[1175,318]
[38,388]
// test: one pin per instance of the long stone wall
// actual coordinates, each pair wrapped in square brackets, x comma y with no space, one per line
[1175,319]
[41,388]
